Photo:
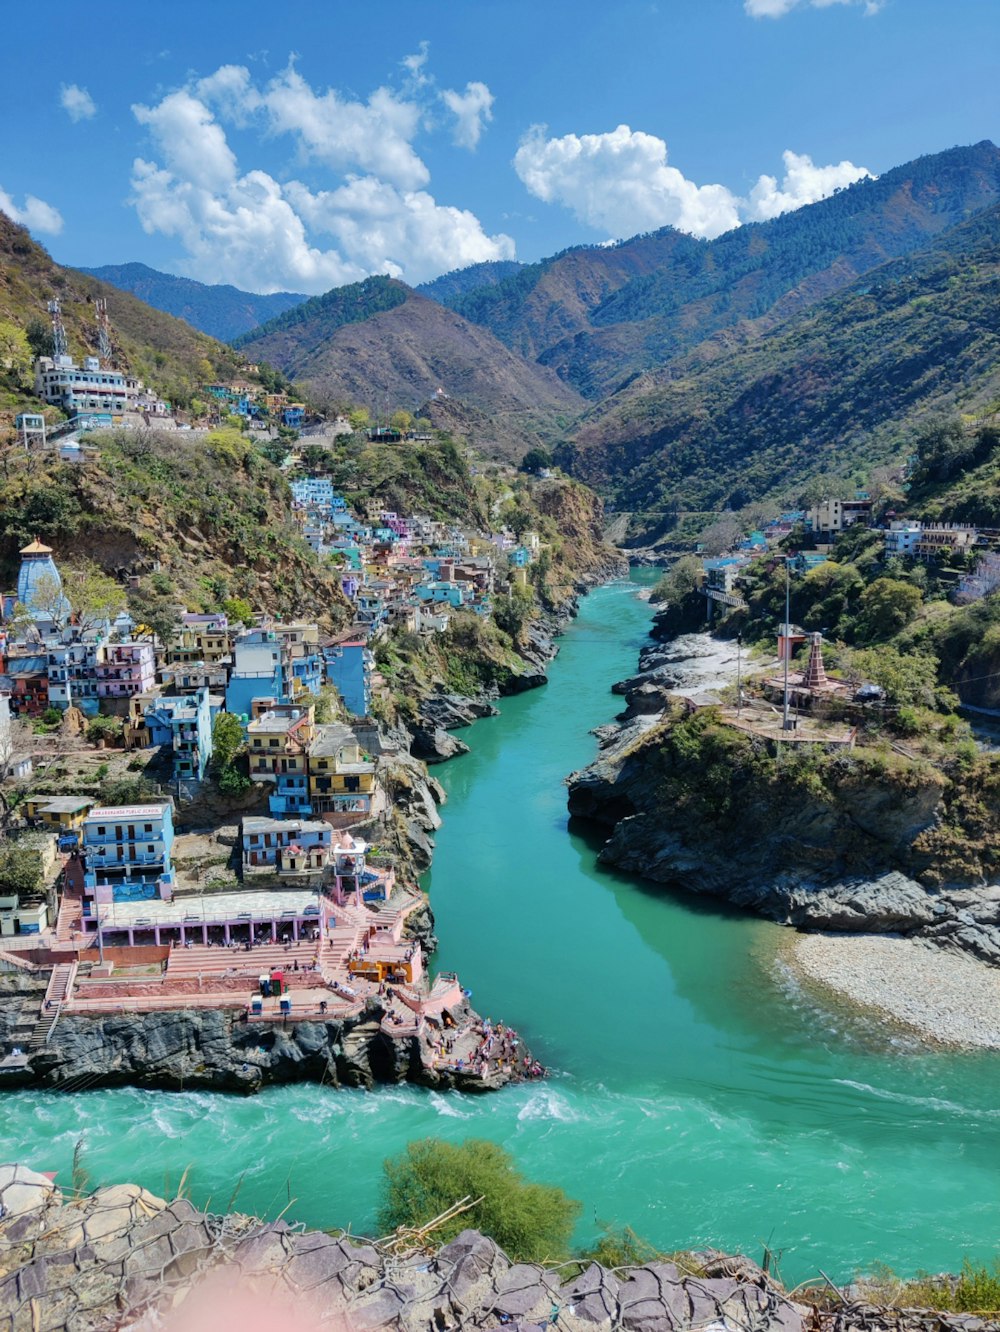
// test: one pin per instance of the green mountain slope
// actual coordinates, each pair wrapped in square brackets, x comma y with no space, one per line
[838,387]
[221,311]
[476,276]
[166,352]
[597,315]
[379,341]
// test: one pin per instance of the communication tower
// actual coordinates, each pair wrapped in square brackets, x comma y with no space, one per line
[103,330]
[60,346]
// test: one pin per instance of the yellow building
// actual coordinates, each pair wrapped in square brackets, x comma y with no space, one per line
[341,775]
[63,815]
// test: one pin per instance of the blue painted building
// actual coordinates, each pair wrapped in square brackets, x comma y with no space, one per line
[128,847]
[184,724]
[349,668]
[261,669]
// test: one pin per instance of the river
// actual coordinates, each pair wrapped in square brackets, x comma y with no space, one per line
[694,1097]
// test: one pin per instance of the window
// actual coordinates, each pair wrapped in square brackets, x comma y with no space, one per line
[101,832]
[147,827]
[149,849]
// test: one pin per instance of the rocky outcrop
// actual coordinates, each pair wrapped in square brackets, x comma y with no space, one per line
[122,1257]
[840,841]
[219,1050]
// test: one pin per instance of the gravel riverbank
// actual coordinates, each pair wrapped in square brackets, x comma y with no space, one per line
[945,997]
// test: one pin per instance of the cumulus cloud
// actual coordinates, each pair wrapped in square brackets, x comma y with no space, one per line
[804,183]
[251,229]
[35,214]
[77,102]
[779,8]
[620,183]
[471,109]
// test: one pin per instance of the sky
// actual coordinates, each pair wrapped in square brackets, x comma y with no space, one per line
[305,144]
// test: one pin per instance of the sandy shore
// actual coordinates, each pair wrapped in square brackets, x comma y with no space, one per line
[945,997]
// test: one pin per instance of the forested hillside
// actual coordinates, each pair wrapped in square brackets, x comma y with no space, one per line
[837,388]
[166,352]
[597,315]
[221,311]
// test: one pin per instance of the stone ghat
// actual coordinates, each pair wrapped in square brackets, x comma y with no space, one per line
[122,1258]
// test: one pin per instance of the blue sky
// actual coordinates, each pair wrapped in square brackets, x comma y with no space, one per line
[302,145]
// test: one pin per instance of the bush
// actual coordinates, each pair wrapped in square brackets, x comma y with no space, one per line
[530,1222]
[100,728]
[52,716]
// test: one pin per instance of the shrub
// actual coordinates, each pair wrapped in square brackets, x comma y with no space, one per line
[104,728]
[530,1222]
[52,716]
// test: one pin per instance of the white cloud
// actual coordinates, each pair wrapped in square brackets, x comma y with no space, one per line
[804,183]
[251,229]
[471,109]
[620,183]
[77,102]
[36,214]
[779,8]
[414,65]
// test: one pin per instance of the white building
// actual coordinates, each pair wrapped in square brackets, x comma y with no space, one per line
[77,389]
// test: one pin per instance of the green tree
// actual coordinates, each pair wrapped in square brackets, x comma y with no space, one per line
[238,610]
[108,729]
[94,597]
[514,612]
[39,337]
[20,870]
[15,353]
[908,678]
[534,460]
[227,740]
[887,606]
[682,578]
[401,421]
[530,1222]
[360,418]
[156,610]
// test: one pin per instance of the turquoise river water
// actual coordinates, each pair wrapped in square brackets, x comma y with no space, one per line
[696,1097]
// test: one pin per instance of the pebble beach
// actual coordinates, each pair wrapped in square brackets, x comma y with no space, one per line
[947,998]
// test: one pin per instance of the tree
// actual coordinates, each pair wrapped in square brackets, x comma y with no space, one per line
[721,535]
[535,460]
[401,421]
[513,613]
[238,610]
[49,601]
[20,870]
[157,611]
[907,679]
[15,353]
[227,740]
[887,606]
[530,1222]
[108,729]
[39,338]
[94,597]
[360,418]
[682,578]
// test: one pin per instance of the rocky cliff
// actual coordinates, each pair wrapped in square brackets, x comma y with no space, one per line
[121,1257]
[870,839]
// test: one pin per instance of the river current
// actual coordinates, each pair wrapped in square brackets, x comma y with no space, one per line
[696,1096]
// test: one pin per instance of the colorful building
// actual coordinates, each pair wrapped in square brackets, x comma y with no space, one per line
[341,777]
[261,669]
[127,849]
[289,848]
[279,740]
[184,725]
[63,815]
[126,669]
[349,668]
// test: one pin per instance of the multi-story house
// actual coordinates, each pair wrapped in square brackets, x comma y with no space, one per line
[190,677]
[206,638]
[279,740]
[184,724]
[72,670]
[302,641]
[261,669]
[349,668]
[29,683]
[127,669]
[80,388]
[127,849]
[341,777]
[289,848]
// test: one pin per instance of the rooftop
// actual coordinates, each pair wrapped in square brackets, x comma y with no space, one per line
[195,907]
[63,804]
[290,826]
[330,738]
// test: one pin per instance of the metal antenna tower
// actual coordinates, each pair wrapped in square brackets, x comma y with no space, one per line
[103,330]
[60,346]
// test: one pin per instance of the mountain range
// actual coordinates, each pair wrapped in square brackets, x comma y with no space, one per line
[222,311]
[678,374]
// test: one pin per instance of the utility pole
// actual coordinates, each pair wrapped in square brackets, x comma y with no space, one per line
[785,722]
[739,674]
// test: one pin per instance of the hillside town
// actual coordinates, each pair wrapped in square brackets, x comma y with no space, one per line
[303,915]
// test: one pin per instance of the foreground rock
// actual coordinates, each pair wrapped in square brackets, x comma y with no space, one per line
[121,1257]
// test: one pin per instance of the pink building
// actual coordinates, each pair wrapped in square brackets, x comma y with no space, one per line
[127,669]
